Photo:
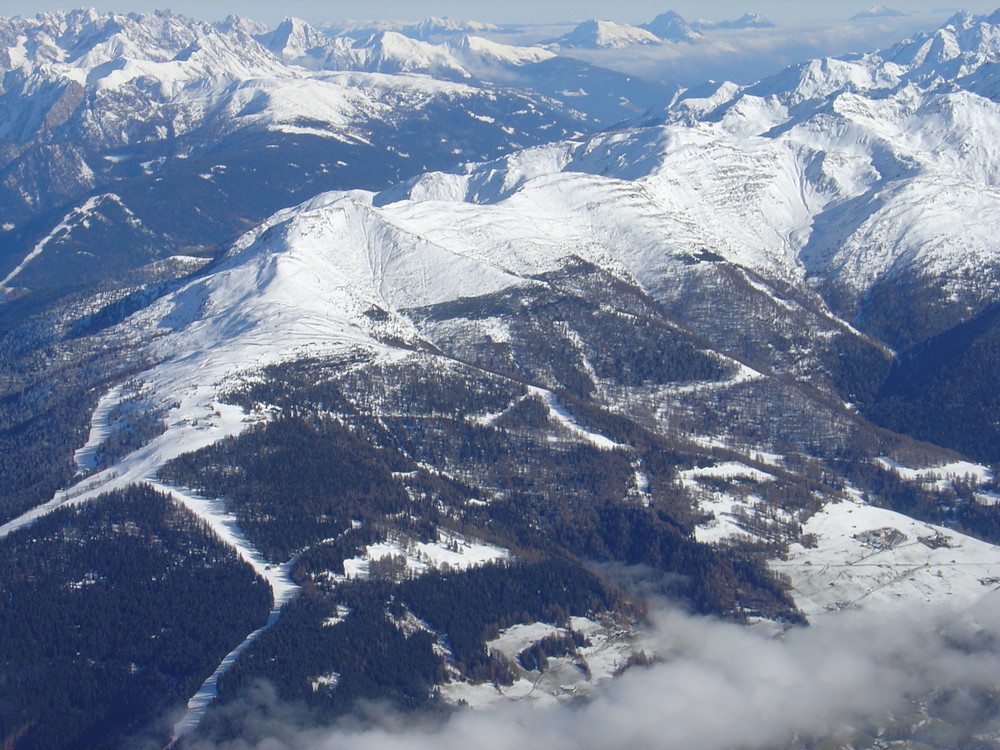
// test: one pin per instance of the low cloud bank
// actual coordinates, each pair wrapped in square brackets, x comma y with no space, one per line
[747,55]
[719,686]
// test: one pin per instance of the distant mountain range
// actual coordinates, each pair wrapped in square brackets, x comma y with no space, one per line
[593,33]
[746,21]
[666,27]
[227,109]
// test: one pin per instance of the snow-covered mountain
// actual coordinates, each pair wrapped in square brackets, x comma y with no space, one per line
[877,11]
[116,112]
[460,425]
[297,43]
[433,29]
[877,139]
[746,21]
[600,95]
[671,26]
[600,34]
[804,202]
[462,57]
[814,188]
[808,188]
[294,40]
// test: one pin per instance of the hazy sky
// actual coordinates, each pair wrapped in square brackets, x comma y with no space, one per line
[529,11]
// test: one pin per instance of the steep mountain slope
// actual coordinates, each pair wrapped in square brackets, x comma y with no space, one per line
[901,241]
[894,153]
[943,390]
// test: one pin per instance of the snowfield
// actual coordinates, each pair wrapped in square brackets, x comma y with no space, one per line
[607,650]
[874,559]
[450,552]
[85,457]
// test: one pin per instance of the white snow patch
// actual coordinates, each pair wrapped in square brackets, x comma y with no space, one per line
[737,517]
[19,52]
[850,567]
[488,419]
[941,475]
[471,694]
[86,456]
[567,676]
[564,418]
[988,498]
[325,682]
[450,552]
[772,459]
[723,525]
[641,480]
[724,506]
[727,470]
[278,578]
[338,617]
[318,132]
[495,329]
[516,638]
[408,624]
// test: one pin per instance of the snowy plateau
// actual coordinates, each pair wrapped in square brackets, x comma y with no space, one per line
[382,386]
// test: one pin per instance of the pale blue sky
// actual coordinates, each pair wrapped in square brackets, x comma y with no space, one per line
[631,11]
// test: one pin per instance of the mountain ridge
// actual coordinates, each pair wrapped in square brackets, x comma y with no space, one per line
[215,102]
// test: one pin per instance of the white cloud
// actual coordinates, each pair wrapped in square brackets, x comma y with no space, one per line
[719,686]
[747,55]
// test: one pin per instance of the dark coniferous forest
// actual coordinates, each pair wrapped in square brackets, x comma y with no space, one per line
[114,613]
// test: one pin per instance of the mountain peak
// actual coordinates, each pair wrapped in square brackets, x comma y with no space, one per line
[473,51]
[877,11]
[238,24]
[963,19]
[602,34]
[746,21]
[670,25]
[294,39]
[436,26]
[394,52]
